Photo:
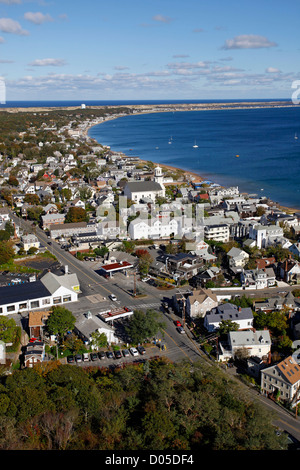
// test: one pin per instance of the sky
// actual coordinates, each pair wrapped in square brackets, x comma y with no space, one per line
[149,49]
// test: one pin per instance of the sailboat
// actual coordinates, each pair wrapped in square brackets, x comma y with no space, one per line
[296,137]
[195,146]
[170,141]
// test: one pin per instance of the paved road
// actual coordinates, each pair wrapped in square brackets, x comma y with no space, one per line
[178,346]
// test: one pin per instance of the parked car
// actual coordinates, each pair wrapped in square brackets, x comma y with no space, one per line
[94,356]
[125,352]
[145,279]
[141,350]
[70,359]
[177,323]
[181,330]
[134,351]
[109,355]
[86,357]
[113,297]
[102,355]
[166,306]
[118,354]
[78,358]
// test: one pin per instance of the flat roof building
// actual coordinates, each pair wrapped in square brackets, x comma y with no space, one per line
[48,291]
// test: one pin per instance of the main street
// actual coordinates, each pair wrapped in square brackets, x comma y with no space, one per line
[95,290]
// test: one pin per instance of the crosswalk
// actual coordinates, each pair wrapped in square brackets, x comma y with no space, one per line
[144,306]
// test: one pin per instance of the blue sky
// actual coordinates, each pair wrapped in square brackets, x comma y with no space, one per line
[149,49]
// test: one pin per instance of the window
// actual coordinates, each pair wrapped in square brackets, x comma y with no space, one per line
[57,300]
[11,308]
[1,310]
[46,301]
[35,304]
[22,306]
[67,298]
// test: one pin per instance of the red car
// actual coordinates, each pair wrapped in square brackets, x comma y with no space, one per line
[177,323]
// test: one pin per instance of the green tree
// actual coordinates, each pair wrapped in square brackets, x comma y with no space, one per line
[9,228]
[8,329]
[225,326]
[4,235]
[144,325]
[76,214]
[6,252]
[98,340]
[60,321]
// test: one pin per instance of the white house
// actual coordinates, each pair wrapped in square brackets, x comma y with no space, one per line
[224,312]
[87,324]
[219,233]
[253,343]
[152,228]
[265,235]
[137,190]
[48,291]
[200,302]
[283,379]
[30,241]
[237,258]
[258,278]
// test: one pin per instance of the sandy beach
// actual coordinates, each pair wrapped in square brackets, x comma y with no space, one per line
[189,175]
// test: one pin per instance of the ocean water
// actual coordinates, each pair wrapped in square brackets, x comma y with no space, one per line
[68,103]
[264,139]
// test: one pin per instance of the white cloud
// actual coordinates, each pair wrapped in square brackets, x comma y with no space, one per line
[11,2]
[272,70]
[162,19]
[7,25]
[37,18]
[121,67]
[180,56]
[187,65]
[248,41]
[47,62]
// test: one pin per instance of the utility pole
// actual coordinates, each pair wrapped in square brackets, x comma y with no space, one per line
[134,284]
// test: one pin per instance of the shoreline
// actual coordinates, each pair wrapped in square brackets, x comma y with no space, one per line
[194,176]
[167,107]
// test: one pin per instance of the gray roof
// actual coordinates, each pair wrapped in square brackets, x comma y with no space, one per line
[229,312]
[88,325]
[142,186]
[249,337]
[53,282]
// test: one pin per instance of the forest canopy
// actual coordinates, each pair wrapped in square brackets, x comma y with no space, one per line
[155,405]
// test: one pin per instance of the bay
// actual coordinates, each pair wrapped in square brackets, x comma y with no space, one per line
[264,140]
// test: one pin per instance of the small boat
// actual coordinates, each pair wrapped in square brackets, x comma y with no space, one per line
[170,141]
[296,137]
[195,146]
[237,156]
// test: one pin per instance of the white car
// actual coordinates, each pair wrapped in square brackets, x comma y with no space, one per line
[134,351]
[181,330]
[145,279]
[113,297]
[85,357]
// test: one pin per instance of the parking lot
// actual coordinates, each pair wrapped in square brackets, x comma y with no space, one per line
[114,358]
